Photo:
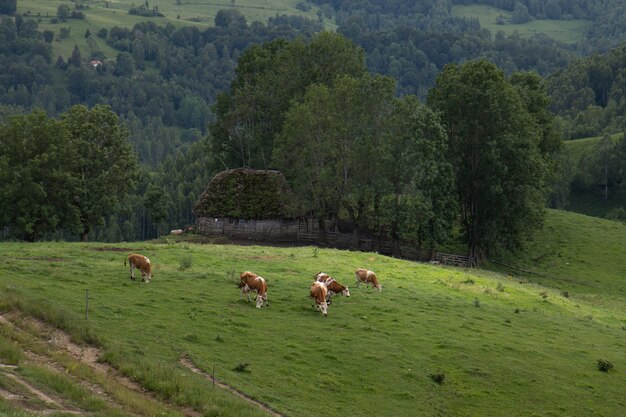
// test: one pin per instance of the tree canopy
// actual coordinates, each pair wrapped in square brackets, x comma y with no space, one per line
[495,147]
[63,174]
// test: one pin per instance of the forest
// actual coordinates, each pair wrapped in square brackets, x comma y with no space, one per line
[191,102]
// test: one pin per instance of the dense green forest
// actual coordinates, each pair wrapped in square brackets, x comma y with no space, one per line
[196,101]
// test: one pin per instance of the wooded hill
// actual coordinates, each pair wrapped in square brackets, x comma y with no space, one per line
[163,81]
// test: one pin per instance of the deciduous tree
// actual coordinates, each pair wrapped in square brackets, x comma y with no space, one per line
[495,149]
[36,178]
[106,165]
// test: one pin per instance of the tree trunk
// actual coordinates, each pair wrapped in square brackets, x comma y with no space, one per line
[606,182]
[84,236]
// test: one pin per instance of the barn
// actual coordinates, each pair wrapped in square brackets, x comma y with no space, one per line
[251,204]
[258,205]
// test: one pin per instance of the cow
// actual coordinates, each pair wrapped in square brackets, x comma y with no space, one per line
[177,232]
[333,286]
[142,263]
[249,281]
[368,277]
[318,294]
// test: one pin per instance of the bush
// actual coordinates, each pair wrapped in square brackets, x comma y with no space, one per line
[617,214]
[186,262]
[604,365]
[9,353]
[242,367]
[438,378]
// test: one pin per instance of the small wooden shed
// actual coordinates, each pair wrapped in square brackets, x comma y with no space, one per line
[247,203]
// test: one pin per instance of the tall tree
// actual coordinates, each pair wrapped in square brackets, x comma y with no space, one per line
[269,77]
[420,202]
[106,165]
[36,178]
[354,148]
[495,149]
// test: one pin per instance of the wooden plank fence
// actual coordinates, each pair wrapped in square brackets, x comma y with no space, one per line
[308,231]
[453,259]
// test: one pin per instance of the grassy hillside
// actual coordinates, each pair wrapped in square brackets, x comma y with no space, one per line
[582,255]
[568,31]
[106,14]
[505,345]
[575,149]
[589,203]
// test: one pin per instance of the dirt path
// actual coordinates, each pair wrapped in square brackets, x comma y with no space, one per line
[187,363]
[87,355]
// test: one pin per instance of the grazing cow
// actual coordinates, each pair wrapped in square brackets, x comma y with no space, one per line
[368,277]
[249,281]
[333,286]
[319,293]
[142,263]
[177,232]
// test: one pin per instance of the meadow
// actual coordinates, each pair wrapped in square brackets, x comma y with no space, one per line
[589,203]
[106,14]
[567,31]
[436,341]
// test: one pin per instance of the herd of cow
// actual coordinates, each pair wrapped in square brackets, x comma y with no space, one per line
[322,289]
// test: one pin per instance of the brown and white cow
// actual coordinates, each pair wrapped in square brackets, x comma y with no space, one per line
[333,286]
[368,277]
[249,281]
[318,294]
[142,263]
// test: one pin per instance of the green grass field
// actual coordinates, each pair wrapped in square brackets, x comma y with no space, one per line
[575,149]
[590,203]
[106,14]
[568,31]
[507,345]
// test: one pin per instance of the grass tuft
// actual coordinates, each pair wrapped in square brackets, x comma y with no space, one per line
[604,365]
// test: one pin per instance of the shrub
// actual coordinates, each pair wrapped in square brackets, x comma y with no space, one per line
[186,262]
[476,302]
[438,378]
[565,294]
[604,365]
[9,353]
[500,287]
[242,367]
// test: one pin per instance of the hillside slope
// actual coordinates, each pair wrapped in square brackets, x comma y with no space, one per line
[498,345]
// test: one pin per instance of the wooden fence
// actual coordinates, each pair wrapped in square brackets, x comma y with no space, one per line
[453,259]
[308,231]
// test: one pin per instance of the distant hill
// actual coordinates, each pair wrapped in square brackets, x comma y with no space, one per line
[107,14]
[494,19]
[585,187]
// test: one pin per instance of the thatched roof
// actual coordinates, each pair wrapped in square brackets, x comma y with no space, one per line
[246,194]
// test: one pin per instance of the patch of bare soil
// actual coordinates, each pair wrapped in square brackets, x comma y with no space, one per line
[51,405]
[187,363]
[114,249]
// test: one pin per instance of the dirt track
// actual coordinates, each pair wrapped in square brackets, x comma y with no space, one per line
[26,396]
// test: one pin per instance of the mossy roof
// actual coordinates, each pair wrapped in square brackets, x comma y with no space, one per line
[244,193]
